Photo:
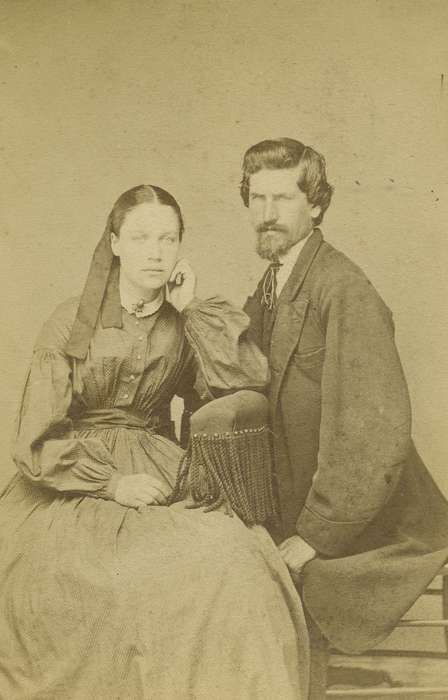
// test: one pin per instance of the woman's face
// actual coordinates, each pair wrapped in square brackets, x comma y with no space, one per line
[147,245]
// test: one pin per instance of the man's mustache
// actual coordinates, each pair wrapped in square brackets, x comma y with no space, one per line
[263,228]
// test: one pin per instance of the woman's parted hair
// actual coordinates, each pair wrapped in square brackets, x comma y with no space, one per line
[137,195]
[275,154]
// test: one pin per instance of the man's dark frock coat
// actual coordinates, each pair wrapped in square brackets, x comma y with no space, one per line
[349,479]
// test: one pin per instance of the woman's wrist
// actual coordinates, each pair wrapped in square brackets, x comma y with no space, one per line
[111,487]
[192,304]
[181,287]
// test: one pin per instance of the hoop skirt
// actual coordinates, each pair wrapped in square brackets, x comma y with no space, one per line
[107,602]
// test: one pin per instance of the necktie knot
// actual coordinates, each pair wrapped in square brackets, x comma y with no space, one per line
[270,285]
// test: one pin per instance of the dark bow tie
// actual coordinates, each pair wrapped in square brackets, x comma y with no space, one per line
[270,285]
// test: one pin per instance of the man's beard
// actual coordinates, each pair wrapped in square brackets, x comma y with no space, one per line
[271,243]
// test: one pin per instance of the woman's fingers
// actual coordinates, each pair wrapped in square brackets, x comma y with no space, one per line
[165,489]
[174,272]
[151,490]
[155,496]
[182,267]
[152,495]
[144,501]
[181,287]
[155,483]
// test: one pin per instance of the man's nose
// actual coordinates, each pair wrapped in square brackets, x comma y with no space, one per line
[270,213]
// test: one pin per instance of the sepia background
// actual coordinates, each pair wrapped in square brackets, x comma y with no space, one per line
[100,95]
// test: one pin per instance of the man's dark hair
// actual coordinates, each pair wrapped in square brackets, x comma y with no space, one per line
[275,154]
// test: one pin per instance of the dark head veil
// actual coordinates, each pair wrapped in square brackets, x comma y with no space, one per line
[100,296]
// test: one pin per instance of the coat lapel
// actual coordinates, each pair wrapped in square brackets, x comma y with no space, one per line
[300,269]
[291,314]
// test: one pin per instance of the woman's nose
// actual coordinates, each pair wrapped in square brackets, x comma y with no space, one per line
[153,250]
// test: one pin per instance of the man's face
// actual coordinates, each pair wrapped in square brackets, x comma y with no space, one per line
[280,213]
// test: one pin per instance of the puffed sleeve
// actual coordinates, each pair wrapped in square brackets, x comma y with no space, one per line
[45,448]
[365,431]
[226,358]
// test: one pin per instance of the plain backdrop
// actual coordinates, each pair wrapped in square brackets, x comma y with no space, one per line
[99,95]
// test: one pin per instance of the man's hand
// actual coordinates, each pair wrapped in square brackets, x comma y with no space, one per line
[136,490]
[295,552]
[181,286]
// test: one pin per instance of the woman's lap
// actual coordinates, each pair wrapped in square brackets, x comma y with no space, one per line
[94,590]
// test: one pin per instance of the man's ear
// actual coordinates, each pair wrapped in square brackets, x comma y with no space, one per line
[115,244]
[316,211]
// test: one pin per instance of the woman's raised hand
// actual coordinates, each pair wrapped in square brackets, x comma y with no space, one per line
[181,287]
[136,490]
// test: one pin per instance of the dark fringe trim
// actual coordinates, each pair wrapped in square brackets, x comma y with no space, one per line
[229,468]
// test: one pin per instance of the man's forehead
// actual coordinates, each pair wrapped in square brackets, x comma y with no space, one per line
[281,180]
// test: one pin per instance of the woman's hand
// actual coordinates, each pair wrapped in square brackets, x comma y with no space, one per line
[136,490]
[181,287]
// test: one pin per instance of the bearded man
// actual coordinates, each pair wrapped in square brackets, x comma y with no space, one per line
[363,526]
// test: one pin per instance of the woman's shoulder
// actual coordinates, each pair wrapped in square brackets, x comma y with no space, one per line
[56,330]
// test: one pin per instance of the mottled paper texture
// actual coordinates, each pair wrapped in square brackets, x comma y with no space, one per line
[98,96]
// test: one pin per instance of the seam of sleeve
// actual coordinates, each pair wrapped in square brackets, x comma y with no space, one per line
[336,522]
[192,304]
[191,339]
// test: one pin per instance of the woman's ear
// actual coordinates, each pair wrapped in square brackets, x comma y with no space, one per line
[115,244]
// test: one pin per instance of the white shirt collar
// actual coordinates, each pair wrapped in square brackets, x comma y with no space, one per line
[130,302]
[288,260]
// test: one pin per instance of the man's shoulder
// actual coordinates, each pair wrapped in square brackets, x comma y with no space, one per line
[336,265]
[333,269]
[335,278]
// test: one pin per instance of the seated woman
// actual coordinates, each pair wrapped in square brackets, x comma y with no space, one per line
[109,589]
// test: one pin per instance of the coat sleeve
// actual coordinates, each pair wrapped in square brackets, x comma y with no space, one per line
[45,449]
[226,358]
[365,430]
